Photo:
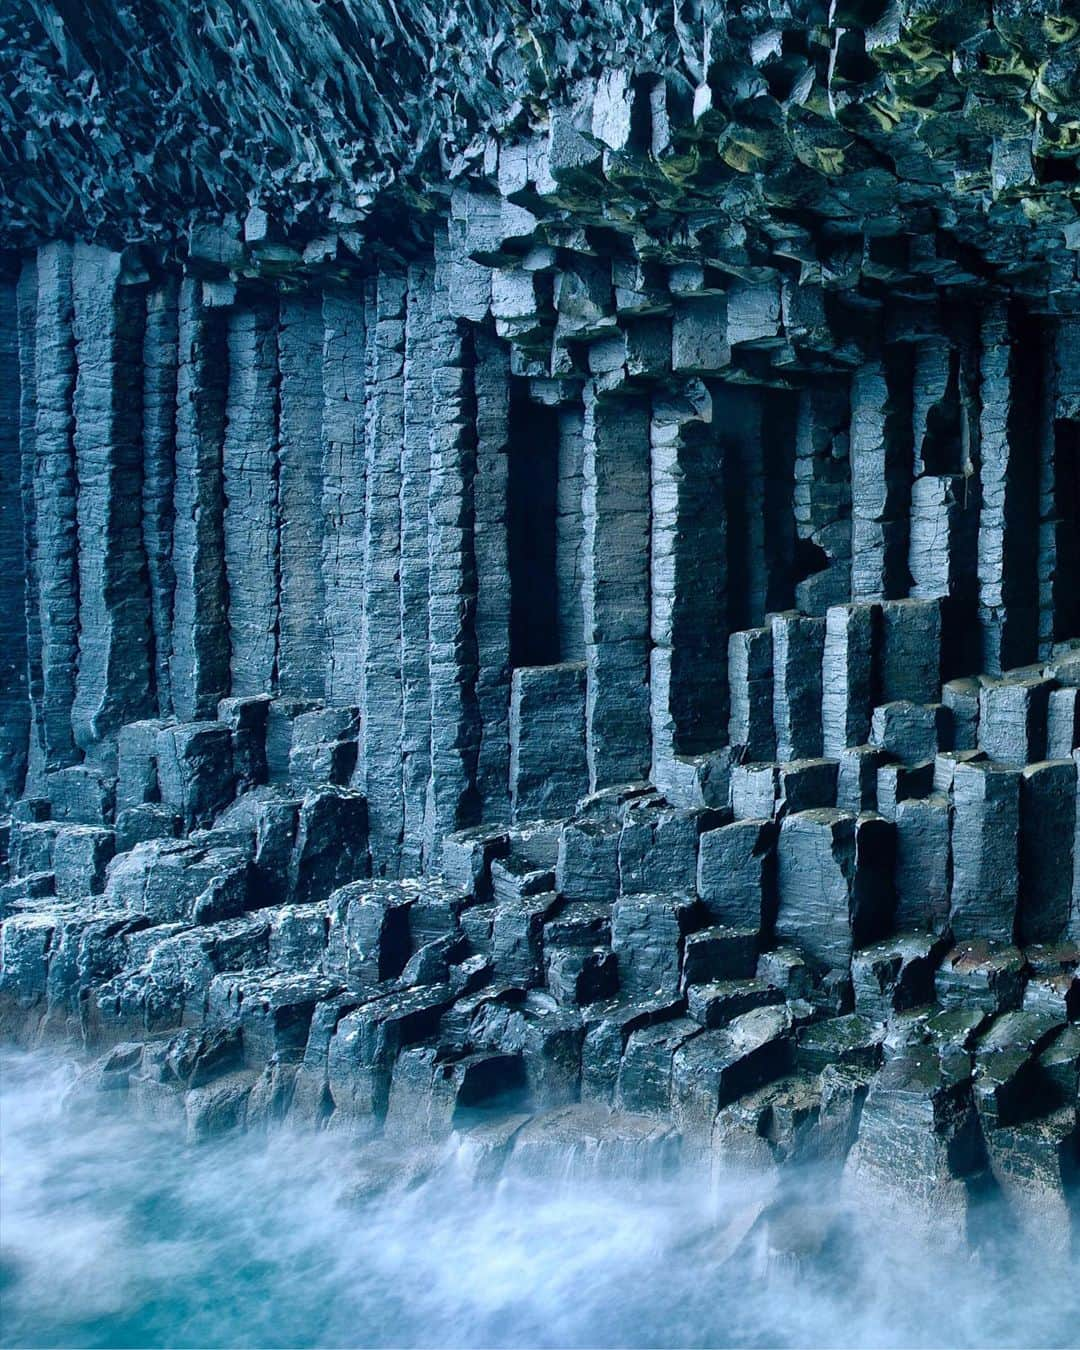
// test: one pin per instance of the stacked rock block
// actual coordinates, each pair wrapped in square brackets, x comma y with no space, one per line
[636,961]
[601,638]
[742,424]
[256,502]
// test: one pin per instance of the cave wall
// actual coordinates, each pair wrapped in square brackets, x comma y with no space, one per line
[374,495]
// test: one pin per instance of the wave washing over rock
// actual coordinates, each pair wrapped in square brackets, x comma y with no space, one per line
[118,1233]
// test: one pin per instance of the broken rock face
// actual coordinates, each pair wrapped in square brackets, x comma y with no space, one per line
[548,582]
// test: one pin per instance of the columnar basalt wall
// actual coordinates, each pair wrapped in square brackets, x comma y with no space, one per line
[594,621]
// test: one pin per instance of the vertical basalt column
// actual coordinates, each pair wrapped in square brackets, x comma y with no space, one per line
[569,536]
[880,477]
[252,525]
[370,321]
[14,699]
[453,799]
[985,830]
[847,676]
[750,695]
[55,495]
[666,476]
[798,644]
[200,649]
[415,485]
[688,592]
[616,590]
[379,768]
[26,307]
[302,616]
[1008,529]
[343,490]
[159,472]
[491,388]
[114,679]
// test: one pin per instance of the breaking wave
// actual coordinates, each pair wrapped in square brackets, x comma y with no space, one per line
[114,1233]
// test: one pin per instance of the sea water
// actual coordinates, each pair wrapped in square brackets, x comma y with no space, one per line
[113,1232]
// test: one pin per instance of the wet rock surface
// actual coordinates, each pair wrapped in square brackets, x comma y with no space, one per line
[407,1010]
[540,580]
[572,1226]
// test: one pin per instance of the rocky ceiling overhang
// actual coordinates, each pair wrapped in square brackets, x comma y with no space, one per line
[923,143]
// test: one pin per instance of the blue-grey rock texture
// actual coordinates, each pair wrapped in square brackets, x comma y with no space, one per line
[540,569]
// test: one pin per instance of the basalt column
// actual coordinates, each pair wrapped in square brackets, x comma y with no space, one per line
[343,489]
[55,493]
[113,685]
[379,766]
[200,632]
[14,703]
[456,726]
[26,310]
[159,472]
[251,480]
[491,386]
[415,490]
[302,636]
[616,511]
[1008,520]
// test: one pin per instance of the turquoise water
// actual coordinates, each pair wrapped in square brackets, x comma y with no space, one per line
[112,1233]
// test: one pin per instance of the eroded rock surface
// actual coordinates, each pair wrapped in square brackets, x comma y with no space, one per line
[540,577]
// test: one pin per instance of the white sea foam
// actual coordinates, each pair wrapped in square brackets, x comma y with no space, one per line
[114,1233]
